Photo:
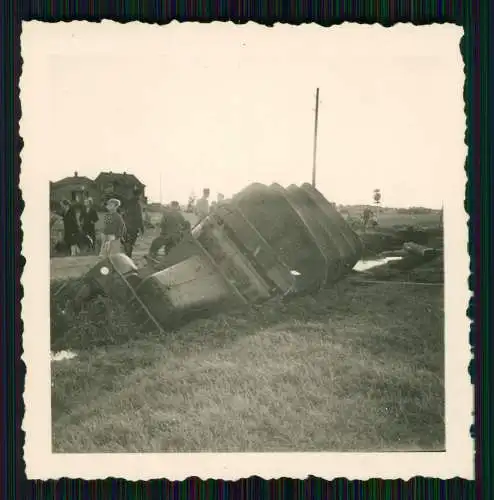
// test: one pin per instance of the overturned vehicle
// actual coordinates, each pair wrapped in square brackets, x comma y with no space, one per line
[265,242]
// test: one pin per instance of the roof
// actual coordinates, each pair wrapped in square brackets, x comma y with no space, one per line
[78,179]
[111,176]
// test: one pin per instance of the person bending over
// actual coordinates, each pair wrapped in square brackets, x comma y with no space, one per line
[173,228]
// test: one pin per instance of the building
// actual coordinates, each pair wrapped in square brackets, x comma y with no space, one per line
[114,185]
[107,185]
[75,189]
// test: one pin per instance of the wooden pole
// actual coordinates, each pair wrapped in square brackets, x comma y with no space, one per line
[161,195]
[315,139]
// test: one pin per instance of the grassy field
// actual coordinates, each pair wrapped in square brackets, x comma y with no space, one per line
[358,367]
[389,218]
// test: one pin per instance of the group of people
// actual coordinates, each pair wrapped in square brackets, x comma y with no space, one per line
[202,207]
[174,226]
[122,225]
[79,231]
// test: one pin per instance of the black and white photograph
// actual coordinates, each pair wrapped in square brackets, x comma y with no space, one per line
[245,242]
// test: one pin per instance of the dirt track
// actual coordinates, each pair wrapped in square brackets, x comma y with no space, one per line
[74,267]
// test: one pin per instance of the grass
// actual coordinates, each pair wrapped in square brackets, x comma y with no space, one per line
[356,367]
[389,218]
[428,270]
[376,240]
[392,219]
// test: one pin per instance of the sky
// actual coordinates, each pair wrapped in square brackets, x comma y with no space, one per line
[221,106]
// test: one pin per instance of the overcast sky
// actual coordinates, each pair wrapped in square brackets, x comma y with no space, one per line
[221,108]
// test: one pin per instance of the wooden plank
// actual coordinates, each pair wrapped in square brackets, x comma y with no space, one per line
[209,289]
[234,265]
[252,243]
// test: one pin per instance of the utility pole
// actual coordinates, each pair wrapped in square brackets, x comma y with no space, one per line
[161,194]
[315,139]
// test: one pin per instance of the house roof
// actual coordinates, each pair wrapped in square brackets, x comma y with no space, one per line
[111,176]
[129,179]
[75,179]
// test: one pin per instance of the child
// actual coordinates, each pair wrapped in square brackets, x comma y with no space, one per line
[113,229]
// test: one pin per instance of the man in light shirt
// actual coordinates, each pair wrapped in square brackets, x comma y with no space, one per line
[202,205]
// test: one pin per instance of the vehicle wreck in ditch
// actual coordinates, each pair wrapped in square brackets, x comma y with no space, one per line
[265,242]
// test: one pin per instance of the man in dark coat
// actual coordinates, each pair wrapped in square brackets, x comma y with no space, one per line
[173,227]
[134,221]
[71,230]
[88,218]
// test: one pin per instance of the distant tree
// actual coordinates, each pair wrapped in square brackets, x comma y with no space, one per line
[377,199]
[377,196]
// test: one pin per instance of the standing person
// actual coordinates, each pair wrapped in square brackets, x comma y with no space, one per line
[174,227]
[71,231]
[113,229]
[367,216]
[202,205]
[190,204]
[88,219]
[134,221]
[220,200]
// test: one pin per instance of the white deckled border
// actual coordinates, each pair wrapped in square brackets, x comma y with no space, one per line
[41,41]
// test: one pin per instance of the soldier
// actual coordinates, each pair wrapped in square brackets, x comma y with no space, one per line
[134,222]
[173,227]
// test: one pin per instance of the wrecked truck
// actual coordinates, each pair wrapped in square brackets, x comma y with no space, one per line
[266,242]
